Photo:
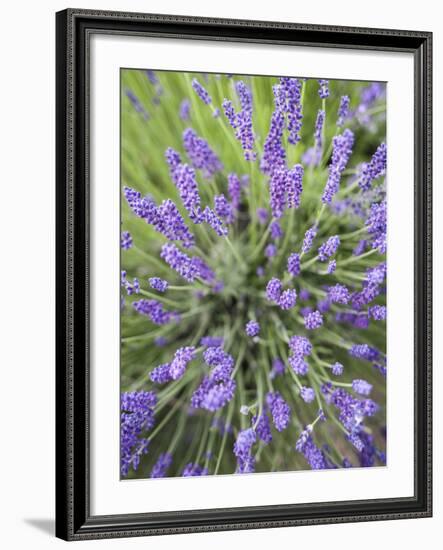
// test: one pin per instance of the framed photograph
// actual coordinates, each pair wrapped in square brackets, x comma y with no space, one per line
[243,274]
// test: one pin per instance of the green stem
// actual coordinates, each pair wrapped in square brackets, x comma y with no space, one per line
[225,437]
[160,298]
[354,259]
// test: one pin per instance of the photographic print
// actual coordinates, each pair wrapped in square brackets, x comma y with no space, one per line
[253,274]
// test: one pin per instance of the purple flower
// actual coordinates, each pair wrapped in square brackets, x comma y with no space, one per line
[270,250]
[194,470]
[185,109]
[252,328]
[303,438]
[332,266]
[360,248]
[378,313]
[186,267]
[160,341]
[234,190]
[222,362]
[212,395]
[173,159]
[285,188]
[154,310]
[290,96]
[287,299]
[294,264]
[309,239]
[211,218]
[201,92]
[329,248]
[242,451]
[323,88]
[186,183]
[137,416]
[152,77]
[313,320]
[211,341]
[352,410]
[324,306]
[131,288]
[137,104]
[337,369]
[313,155]
[171,224]
[280,410]
[277,191]
[373,169]
[158,284]
[126,240]
[278,367]
[376,275]
[343,110]
[245,441]
[298,364]
[274,155]
[363,351]
[307,394]
[223,208]
[300,345]
[201,155]
[376,224]
[304,294]
[165,218]
[273,290]
[339,294]
[181,359]
[161,466]
[262,215]
[262,428]
[161,374]
[341,151]
[244,132]
[314,456]
[230,113]
[361,386]
[294,185]
[276,230]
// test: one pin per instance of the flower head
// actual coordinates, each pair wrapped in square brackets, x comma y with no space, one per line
[201,91]
[280,411]
[252,328]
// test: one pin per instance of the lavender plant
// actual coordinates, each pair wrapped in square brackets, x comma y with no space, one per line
[253,258]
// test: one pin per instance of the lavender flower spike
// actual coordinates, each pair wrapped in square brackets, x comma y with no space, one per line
[281,413]
[323,90]
[273,290]
[126,240]
[329,248]
[158,284]
[313,320]
[201,92]
[294,264]
[201,155]
[287,299]
[343,110]
[252,328]
[342,149]
[181,359]
[373,169]
[161,466]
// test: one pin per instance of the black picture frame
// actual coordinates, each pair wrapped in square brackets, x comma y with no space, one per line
[74,28]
